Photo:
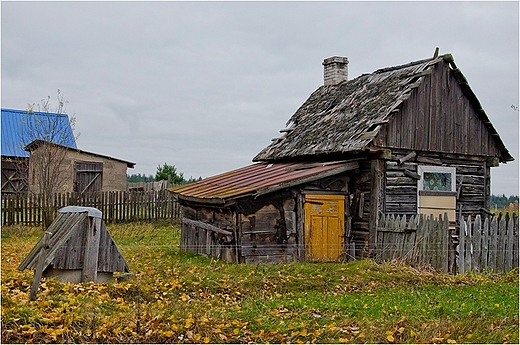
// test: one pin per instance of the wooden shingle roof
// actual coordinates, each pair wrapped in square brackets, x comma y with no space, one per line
[345,118]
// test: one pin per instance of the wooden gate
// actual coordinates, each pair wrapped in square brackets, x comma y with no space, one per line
[14,176]
[88,177]
[324,231]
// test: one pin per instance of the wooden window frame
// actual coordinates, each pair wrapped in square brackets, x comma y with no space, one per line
[421,169]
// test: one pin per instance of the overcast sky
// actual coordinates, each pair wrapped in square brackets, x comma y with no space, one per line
[205,86]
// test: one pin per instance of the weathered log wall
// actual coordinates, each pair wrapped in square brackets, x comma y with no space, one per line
[269,234]
[472,182]
[270,228]
[360,209]
[209,231]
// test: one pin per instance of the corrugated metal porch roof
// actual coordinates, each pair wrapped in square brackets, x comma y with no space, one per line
[258,179]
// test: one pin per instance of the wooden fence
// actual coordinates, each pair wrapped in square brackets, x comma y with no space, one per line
[491,244]
[116,206]
[419,241]
[474,245]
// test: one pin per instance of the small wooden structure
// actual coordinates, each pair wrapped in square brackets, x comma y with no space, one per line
[409,139]
[79,170]
[77,247]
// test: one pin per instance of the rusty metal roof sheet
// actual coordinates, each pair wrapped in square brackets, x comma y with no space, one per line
[258,179]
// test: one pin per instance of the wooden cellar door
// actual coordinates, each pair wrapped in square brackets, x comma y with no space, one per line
[324,232]
[89,177]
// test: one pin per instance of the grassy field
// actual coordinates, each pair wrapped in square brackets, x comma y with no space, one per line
[177,297]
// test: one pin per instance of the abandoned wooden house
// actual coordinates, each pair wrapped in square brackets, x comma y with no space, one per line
[79,171]
[77,247]
[409,139]
[21,127]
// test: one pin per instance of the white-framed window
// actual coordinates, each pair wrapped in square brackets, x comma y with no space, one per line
[438,179]
[436,191]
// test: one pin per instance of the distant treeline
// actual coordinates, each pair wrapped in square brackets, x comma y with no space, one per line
[139,178]
[502,201]
[151,178]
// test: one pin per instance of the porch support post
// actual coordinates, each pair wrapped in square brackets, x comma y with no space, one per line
[377,200]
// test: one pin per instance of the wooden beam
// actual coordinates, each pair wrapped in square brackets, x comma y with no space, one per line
[380,153]
[353,165]
[412,174]
[406,158]
[376,201]
[492,162]
[90,260]
[206,226]
[40,266]
[428,160]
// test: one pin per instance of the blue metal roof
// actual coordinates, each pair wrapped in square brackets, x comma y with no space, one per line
[20,127]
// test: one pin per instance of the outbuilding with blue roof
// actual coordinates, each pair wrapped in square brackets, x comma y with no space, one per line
[21,127]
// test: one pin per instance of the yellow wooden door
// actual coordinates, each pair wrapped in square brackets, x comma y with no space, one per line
[324,230]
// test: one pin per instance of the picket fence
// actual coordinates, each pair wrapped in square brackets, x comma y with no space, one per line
[491,244]
[116,206]
[473,245]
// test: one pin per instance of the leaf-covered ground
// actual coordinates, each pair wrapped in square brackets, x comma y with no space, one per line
[177,297]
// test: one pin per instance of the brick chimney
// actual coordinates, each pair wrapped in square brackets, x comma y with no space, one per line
[335,70]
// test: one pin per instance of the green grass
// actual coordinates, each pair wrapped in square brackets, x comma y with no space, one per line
[181,297]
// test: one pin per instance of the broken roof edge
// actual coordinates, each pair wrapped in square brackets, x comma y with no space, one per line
[432,61]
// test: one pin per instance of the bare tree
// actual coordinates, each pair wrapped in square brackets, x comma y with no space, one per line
[46,134]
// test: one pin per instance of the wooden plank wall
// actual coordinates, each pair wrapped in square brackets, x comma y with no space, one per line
[261,238]
[438,117]
[209,231]
[360,208]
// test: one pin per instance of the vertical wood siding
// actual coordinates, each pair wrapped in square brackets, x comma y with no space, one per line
[438,117]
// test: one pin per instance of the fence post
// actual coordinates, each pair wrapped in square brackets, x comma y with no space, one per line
[508,256]
[469,245]
[493,233]
[462,245]
[515,241]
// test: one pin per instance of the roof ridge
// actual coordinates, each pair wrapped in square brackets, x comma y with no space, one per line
[410,64]
[24,111]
